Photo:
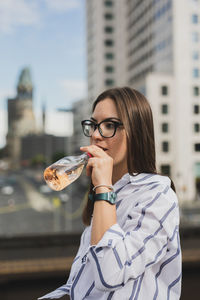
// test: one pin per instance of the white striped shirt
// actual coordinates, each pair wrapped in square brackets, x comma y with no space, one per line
[139,257]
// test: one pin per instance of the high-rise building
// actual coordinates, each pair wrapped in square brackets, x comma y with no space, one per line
[106,39]
[150,39]
[164,49]
[161,44]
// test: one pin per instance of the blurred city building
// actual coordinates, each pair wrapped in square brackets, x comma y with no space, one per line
[58,122]
[81,110]
[41,148]
[154,47]
[21,119]
[27,143]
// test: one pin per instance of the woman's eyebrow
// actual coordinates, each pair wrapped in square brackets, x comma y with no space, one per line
[114,118]
[93,119]
[106,119]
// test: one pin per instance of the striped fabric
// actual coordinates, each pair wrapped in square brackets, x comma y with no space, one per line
[139,257]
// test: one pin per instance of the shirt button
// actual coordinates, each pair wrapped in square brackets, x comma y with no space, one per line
[84,259]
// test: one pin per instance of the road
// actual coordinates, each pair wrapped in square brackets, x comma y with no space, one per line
[29,207]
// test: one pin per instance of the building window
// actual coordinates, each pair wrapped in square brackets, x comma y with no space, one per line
[196,109]
[195,37]
[108,3]
[108,16]
[196,73]
[108,29]
[165,127]
[109,69]
[197,147]
[109,55]
[196,91]
[164,109]
[109,43]
[195,19]
[196,127]
[165,146]
[164,90]
[109,82]
[165,170]
[195,55]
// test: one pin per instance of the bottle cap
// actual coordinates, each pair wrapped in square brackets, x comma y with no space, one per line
[90,155]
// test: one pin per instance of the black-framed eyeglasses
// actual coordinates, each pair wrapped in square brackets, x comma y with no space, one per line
[107,128]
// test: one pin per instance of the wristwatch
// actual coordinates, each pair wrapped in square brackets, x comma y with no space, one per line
[110,197]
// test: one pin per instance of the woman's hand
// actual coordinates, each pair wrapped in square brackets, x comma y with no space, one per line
[99,166]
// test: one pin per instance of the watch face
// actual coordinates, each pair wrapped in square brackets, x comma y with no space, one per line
[112,197]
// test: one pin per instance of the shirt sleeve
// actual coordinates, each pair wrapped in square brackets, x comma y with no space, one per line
[125,253]
[77,262]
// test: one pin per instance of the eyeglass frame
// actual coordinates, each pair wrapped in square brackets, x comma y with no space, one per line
[97,125]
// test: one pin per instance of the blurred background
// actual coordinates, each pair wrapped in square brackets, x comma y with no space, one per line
[55,58]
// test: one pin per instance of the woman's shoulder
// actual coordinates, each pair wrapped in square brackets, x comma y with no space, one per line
[149,179]
[143,179]
[152,184]
[144,188]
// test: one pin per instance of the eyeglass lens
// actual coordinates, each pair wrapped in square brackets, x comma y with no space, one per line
[106,129]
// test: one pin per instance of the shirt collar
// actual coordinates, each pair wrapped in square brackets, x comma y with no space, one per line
[141,179]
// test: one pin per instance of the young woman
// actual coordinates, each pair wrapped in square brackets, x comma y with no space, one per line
[130,248]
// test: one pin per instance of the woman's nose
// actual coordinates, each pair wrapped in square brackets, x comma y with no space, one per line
[96,134]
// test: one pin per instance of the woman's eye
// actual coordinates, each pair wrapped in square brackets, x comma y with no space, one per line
[91,125]
[109,125]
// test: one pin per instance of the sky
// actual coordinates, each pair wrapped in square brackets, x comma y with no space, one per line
[48,36]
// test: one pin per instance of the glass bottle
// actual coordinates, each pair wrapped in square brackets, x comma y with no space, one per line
[65,171]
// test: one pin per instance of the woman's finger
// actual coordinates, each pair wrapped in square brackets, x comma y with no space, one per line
[88,170]
[90,164]
[94,150]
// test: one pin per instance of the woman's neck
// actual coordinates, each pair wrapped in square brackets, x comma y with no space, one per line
[118,172]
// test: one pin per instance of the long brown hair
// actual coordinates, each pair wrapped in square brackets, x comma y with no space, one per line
[135,112]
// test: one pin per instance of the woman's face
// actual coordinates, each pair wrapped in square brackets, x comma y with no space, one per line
[115,146]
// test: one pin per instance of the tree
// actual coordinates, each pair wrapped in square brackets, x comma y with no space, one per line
[38,160]
[58,155]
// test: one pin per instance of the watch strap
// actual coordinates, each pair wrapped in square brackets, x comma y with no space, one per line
[109,197]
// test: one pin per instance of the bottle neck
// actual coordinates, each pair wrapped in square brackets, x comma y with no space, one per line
[85,156]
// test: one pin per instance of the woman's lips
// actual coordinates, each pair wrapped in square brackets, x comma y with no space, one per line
[104,149]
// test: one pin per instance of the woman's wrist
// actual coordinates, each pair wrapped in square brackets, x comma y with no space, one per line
[102,189]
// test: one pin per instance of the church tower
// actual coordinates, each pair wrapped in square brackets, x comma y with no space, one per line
[21,119]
